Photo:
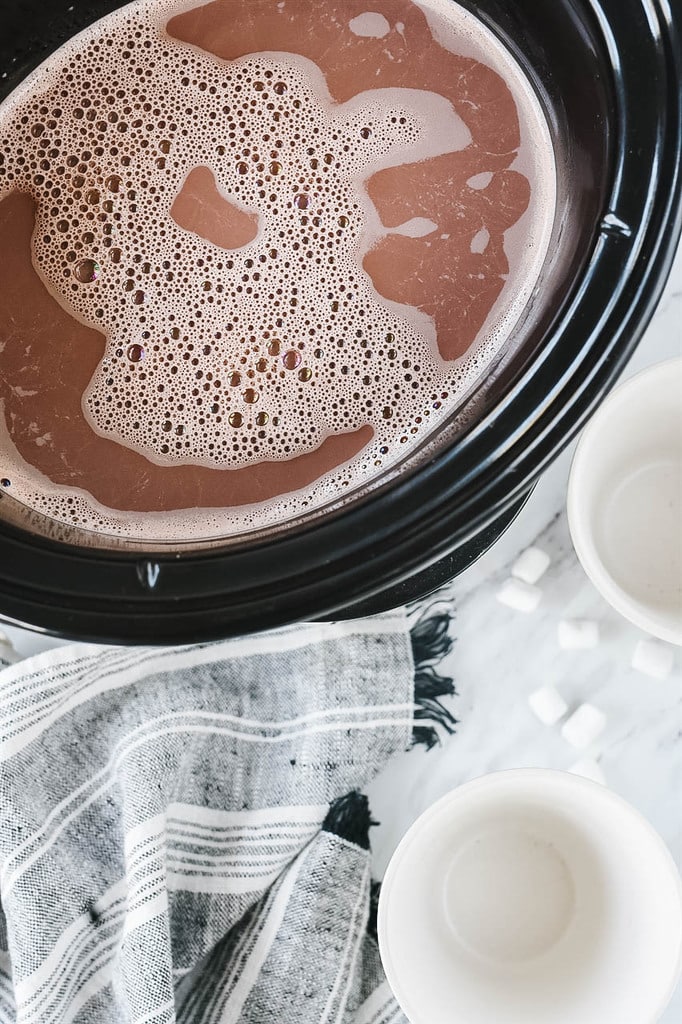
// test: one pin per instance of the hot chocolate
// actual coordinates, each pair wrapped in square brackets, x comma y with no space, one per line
[254,253]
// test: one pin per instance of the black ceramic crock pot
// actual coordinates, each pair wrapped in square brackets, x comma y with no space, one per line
[608,73]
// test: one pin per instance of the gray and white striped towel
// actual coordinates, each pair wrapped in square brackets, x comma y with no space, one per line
[182,836]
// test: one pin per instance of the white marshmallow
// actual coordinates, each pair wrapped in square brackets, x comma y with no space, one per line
[531,565]
[653,658]
[584,726]
[577,634]
[522,597]
[548,705]
[589,769]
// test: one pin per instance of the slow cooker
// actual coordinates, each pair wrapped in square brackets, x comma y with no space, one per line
[608,73]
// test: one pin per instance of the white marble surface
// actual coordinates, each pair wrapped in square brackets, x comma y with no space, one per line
[501,656]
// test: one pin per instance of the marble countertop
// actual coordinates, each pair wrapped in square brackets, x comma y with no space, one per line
[501,656]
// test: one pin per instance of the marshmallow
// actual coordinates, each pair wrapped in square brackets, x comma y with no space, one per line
[588,769]
[522,597]
[531,565]
[653,658]
[548,705]
[577,634]
[584,726]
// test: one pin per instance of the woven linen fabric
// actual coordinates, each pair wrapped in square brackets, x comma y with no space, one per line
[182,832]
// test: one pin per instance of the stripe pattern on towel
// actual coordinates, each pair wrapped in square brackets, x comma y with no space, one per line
[167,848]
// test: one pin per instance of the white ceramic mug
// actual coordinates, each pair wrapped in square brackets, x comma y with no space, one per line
[625,500]
[531,897]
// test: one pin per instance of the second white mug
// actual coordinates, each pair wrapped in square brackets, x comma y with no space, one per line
[531,897]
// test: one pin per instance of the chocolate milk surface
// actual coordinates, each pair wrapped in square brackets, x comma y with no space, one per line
[253,253]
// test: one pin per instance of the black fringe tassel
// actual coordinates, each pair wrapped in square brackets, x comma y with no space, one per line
[349,817]
[374,893]
[431,641]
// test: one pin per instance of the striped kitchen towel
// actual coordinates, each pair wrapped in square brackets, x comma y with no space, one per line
[182,831]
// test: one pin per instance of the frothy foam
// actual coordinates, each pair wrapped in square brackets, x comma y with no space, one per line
[222,235]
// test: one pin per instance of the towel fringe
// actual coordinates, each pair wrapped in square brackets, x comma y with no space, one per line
[374,893]
[349,818]
[431,642]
